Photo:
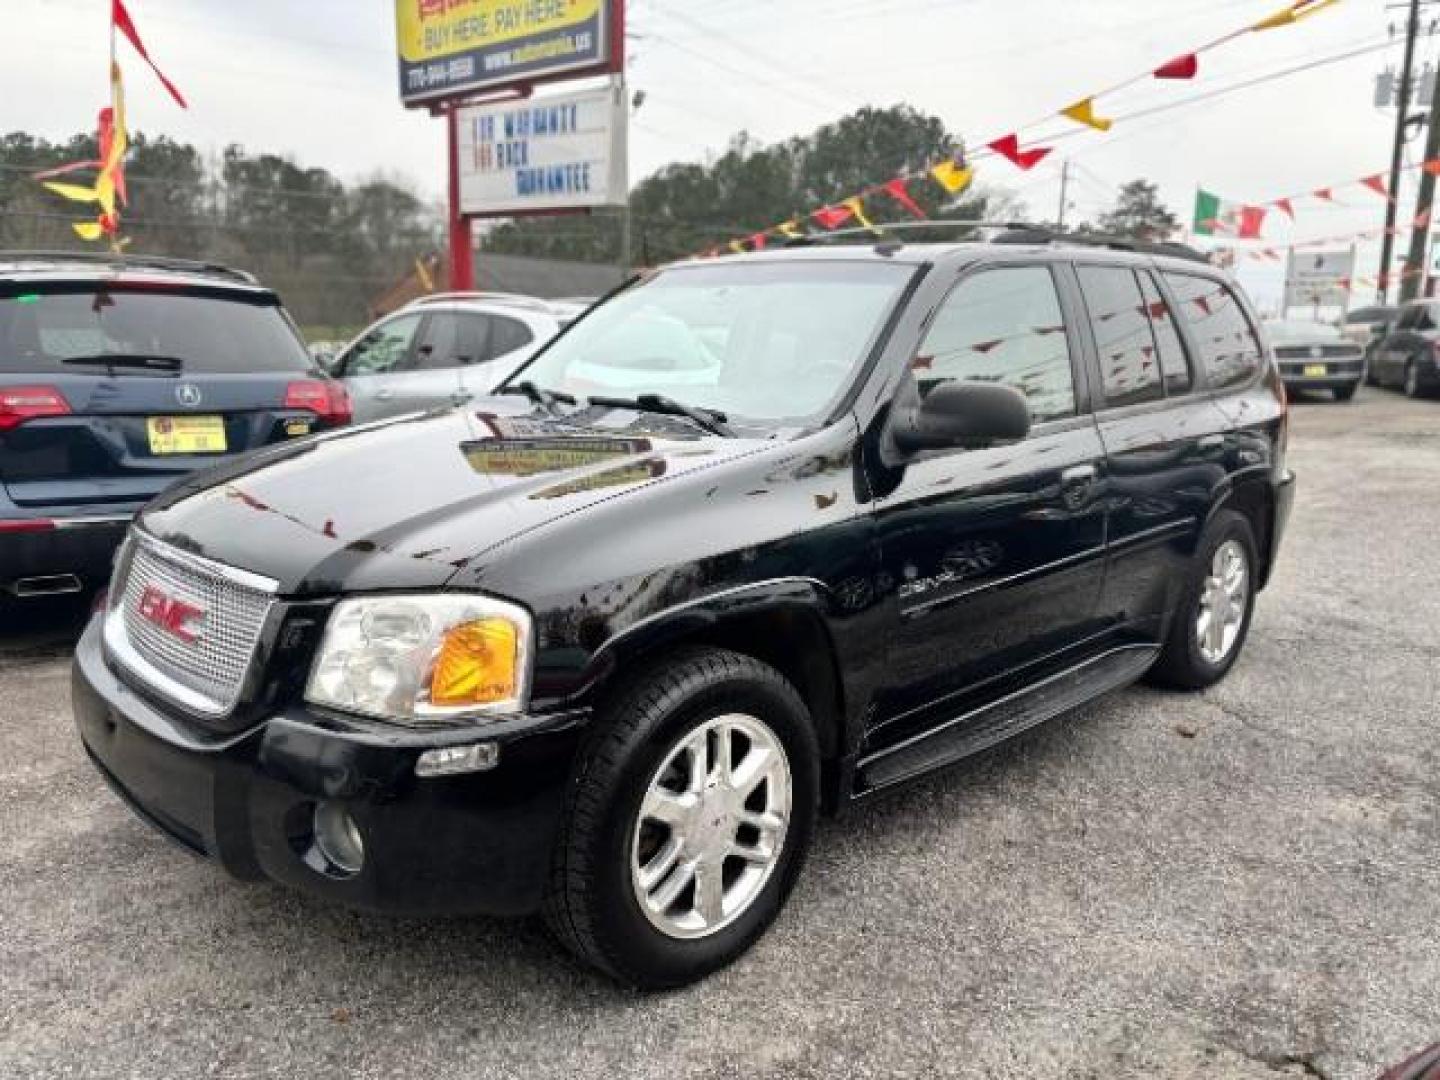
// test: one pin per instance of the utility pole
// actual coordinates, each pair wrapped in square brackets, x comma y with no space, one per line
[1402,115]
[1420,233]
[1064,193]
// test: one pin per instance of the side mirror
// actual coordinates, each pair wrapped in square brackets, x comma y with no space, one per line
[956,415]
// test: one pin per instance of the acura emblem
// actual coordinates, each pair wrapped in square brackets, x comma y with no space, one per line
[188,394]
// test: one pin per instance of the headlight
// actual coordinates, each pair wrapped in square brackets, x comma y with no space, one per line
[423,659]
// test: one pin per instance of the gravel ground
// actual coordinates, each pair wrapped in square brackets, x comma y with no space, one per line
[1242,884]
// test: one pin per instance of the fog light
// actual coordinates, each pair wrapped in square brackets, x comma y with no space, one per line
[338,837]
[450,760]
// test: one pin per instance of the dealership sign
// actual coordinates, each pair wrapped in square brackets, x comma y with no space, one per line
[453,47]
[1319,278]
[562,152]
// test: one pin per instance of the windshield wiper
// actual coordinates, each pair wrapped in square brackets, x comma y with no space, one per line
[712,420]
[544,398]
[137,361]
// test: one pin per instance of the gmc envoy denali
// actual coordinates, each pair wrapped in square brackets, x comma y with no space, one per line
[755,537]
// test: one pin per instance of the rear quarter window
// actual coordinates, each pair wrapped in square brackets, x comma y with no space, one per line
[1230,351]
[47,329]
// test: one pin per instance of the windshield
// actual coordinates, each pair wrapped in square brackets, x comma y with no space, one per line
[1297,330]
[763,342]
[43,328]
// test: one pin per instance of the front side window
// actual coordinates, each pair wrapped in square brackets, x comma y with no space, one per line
[439,346]
[507,335]
[1003,325]
[384,349]
[1229,350]
[765,342]
[1129,368]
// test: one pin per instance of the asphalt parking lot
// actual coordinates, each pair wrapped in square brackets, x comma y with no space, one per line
[1243,884]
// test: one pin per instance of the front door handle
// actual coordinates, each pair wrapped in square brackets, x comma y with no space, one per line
[1080,474]
[1210,443]
[1076,485]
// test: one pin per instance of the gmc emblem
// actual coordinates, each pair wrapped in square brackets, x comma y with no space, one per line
[175,617]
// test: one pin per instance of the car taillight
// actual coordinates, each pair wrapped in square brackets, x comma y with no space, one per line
[21,403]
[327,400]
[26,525]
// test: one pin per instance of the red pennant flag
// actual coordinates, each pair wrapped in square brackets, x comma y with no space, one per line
[1432,166]
[1376,184]
[757,242]
[832,217]
[1202,304]
[922,363]
[1182,67]
[1285,206]
[986,346]
[122,22]
[1422,220]
[1325,193]
[1009,149]
[896,190]
[1344,283]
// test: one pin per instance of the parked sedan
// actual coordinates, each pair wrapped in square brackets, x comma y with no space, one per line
[1407,358]
[443,350]
[1314,356]
[1367,327]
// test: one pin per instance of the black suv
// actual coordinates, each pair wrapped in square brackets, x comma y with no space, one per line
[118,375]
[754,537]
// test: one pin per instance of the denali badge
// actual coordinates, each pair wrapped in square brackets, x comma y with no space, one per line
[188,394]
[175,617]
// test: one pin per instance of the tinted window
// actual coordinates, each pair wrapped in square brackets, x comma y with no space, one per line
[42,328]
[507,335]
[1128,368]
[439,345]
[1228,347]
[1174,364]
[1004,326]
[384,349]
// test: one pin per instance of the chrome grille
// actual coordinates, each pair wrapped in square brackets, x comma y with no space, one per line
[1327,352]
[208,673]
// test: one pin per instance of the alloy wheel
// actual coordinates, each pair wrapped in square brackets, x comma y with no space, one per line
[1224,596]
[711,826]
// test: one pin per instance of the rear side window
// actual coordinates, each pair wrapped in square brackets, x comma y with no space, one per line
[1174,365]
[53,329]
[1229,349]
[1003,325]
[507,335]
[1129,370]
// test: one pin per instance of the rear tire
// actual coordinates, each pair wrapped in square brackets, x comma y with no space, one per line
[655,751]
[1199,652]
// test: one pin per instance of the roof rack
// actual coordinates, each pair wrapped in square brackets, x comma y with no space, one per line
[534,303]
[127,261]
[1011,232]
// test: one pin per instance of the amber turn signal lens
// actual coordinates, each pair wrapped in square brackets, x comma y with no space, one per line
[478,664]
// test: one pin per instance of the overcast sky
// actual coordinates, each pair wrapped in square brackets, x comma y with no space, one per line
[317,81]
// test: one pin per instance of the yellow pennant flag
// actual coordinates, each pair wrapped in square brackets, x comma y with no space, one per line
[73,192]
[1294,13]
[87,230]
[737,246]
[952,177]
[857,210]
[1083,112]
[790,229]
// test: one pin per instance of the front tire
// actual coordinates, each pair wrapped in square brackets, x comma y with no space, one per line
[687,825]
[1345,393]
[1212,619]
[1413,387]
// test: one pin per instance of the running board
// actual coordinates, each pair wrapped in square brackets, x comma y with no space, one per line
[982,728]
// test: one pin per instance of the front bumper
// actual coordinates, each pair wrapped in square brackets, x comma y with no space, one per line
[473,843]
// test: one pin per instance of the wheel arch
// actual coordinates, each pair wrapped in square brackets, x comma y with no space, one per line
[781,623]
[1253,497]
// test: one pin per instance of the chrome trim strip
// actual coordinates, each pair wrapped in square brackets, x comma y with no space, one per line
[93,519]
[245,578]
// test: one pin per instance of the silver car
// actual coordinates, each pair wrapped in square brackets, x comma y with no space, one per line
[443,350]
